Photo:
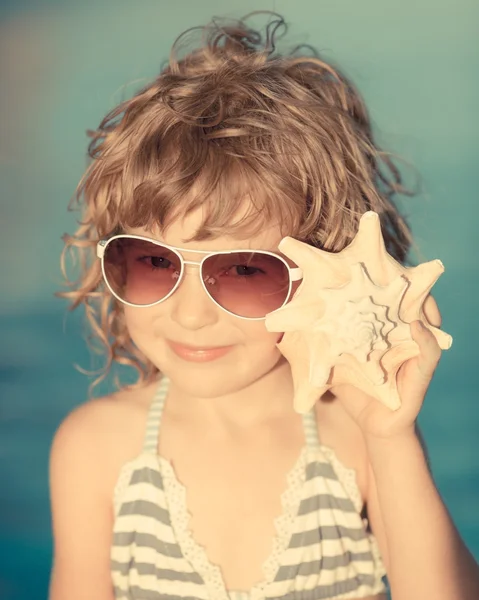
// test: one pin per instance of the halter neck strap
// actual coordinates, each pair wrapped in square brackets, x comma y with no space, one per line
[150,442]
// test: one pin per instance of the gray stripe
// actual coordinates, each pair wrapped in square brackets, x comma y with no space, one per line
[146,540]
[320,469]
[150,569]
[147,475]
[327,563]
[314,503]
[136,593]
[325,532]
[122,594]
[146,509]
[323,592]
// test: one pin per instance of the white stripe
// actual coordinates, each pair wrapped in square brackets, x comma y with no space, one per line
[144,524]
[234,595]
[145,491]
[320,485]
[124,477]
[296,556]
[327,517]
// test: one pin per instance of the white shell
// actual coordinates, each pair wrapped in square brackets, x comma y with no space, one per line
[349,320]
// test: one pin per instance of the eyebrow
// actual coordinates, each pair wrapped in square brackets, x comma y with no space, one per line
[194,250]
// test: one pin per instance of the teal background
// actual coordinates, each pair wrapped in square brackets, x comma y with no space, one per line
[64,64]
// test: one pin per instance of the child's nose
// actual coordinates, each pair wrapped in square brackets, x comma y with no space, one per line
[191,307]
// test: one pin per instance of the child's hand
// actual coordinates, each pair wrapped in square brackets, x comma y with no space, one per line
[413,379]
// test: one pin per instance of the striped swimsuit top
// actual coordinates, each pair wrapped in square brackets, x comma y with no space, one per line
[322,549]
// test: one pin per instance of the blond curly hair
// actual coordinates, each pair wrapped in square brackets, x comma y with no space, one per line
[232,118]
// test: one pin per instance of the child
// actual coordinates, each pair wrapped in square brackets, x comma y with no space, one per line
[201,481]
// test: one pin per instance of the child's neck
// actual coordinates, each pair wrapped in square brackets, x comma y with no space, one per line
[267,398]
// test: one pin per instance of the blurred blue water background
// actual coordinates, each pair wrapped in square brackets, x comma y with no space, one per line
[63,64]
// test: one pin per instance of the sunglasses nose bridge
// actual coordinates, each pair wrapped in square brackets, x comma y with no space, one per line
[197,271]
[192,262]
[194,265]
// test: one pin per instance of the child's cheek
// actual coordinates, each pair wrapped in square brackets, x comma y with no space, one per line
[139,321]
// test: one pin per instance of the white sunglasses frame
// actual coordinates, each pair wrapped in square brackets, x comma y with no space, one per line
[295,273]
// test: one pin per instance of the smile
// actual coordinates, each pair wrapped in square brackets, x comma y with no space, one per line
[198,354]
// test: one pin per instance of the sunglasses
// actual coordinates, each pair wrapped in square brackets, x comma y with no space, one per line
[245,283]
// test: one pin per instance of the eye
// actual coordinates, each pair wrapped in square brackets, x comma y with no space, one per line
[156,262]
[243,271]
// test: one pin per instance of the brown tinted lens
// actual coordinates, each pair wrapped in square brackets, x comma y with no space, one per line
[248,284]
[140,272]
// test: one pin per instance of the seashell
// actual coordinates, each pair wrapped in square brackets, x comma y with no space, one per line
[348,322]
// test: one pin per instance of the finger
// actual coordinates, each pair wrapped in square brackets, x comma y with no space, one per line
[429,350]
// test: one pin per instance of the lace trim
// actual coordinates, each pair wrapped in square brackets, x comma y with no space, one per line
[180,517]
[347,477]
[196,554]
[290,500]
[379,568]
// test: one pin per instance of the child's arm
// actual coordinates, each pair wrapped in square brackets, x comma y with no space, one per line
[423,552]
[82,520]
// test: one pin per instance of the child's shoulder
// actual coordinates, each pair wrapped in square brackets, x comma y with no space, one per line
[105,432]
[115,414]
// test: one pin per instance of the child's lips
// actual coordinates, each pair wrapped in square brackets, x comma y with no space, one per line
[197,353]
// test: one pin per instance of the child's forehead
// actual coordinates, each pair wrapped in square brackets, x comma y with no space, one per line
[176,235]
[184,228]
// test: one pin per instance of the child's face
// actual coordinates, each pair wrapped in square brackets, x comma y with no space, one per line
[243,350]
